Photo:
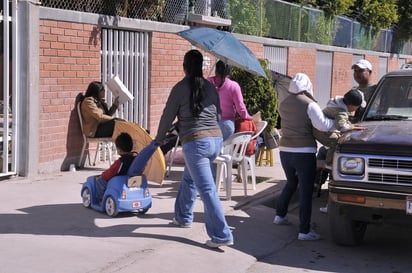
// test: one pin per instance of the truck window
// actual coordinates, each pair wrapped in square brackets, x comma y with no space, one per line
[386,105]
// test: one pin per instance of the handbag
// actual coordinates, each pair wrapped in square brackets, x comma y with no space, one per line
[245,125]
[271,140]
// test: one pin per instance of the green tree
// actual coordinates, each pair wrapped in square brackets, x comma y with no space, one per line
[379,14]
[333,8]
[403,29]
[323,32]
[248,17]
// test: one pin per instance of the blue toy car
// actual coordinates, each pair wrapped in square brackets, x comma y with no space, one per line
[123,193]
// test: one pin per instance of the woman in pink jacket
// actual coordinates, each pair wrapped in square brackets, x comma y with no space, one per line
[231,99]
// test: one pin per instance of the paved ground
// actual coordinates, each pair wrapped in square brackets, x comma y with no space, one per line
[44,228]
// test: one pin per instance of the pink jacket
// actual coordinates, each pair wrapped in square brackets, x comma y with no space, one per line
[231,99]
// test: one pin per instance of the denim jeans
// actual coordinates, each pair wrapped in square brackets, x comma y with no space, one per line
[299,168]
[101,186]
[227,127]
[197,177]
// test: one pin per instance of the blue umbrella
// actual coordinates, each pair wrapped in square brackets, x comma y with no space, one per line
[225,47]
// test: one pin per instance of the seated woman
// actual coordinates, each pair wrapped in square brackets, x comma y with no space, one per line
[98,120]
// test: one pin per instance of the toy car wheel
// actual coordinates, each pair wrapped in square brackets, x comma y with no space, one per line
[143,211]
[111,207]
[86,198]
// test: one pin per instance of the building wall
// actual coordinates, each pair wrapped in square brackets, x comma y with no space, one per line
[70,59]
[166,69]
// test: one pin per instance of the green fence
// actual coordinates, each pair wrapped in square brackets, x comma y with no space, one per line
[266,18]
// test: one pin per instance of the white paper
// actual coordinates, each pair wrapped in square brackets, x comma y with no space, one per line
[118,89]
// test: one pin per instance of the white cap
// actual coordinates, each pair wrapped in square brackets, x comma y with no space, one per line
[299,83]
[363,64]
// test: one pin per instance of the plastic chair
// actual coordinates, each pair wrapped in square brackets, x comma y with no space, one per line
[102,142]
[233,152]
[251,159]
[171,157]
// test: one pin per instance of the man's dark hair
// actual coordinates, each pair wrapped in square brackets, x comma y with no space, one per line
[125,142]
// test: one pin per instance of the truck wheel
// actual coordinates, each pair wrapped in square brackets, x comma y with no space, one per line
[343,229]
[111,207]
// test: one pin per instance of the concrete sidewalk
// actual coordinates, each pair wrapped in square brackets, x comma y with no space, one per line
[45,228]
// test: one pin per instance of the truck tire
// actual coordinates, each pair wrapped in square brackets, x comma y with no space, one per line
[343,229]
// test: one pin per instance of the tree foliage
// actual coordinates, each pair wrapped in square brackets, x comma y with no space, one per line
[379,14]
[323,32]
[258,94]
[403,29]
[331,8]
[248,17]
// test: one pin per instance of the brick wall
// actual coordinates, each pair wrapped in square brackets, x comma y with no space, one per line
[393,63]
[167,51]
[341,73]
[69,60]
[374,60]
[302,60]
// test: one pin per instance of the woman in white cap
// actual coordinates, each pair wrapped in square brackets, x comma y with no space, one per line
[299,113]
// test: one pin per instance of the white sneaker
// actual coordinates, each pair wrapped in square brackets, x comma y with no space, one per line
[281,220]
[212,244]
[176,223]
[310,236]
[324,209]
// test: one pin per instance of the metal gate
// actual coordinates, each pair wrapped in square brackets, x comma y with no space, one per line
[323,80]
[278,58]
[125,54]
[8,113]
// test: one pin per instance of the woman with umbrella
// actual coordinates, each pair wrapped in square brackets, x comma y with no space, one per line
[195,103]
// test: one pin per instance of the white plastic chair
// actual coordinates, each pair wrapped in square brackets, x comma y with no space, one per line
[233,152]
[171,156]
[102,142]
[251,159]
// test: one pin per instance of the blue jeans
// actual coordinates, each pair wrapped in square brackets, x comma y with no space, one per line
[299,168]
[101,186]
[227,127]
[197,177]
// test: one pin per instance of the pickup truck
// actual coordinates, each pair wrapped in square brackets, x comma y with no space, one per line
[371,179]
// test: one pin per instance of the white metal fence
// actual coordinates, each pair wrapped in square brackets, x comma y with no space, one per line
[8,113]
[125,53]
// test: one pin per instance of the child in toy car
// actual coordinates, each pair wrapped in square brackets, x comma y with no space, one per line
[128,192]
[124,146]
